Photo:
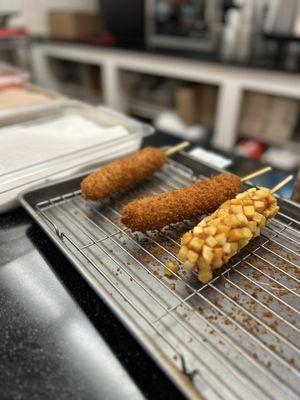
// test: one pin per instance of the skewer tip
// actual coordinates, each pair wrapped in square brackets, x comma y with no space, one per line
[282,183]
[176,148]
[256,173]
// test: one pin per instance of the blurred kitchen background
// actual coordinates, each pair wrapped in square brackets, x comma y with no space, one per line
[222,74]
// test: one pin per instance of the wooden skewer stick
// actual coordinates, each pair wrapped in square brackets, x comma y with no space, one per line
[282,183]
[175,149]
[256,173]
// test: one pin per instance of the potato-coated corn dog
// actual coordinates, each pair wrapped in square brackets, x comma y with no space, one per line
[186,203]
[221,235]
[121,174]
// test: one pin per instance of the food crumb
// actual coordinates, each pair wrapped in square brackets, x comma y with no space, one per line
[171,269]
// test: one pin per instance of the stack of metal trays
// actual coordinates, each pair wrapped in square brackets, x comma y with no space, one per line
[236,337]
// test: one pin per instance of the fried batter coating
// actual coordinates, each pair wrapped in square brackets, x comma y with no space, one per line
[186,203]
[121,174]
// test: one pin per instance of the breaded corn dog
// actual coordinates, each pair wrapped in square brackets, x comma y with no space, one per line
[221,235]
[186,203]
[121,174]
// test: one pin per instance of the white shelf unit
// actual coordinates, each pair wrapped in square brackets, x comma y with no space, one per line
[231,80]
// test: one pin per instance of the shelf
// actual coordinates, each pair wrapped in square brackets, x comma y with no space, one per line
[144,109]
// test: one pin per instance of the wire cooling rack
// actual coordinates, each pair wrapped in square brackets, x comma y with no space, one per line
[236,337]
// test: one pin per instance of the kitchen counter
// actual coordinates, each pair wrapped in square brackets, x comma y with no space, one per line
[58,339]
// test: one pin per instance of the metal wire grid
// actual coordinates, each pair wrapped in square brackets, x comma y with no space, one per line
[238,335]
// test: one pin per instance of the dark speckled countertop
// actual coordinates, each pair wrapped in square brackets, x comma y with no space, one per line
[58,340]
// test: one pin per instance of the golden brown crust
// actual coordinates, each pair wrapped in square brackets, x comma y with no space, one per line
[186,203]
[121,174]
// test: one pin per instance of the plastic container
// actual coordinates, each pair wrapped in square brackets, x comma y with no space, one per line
[13,115]
[10,75]
[19,178]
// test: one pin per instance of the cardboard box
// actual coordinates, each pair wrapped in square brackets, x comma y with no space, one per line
[268,117]
[280,121]
[255,107]
[207,97]
[186,103]
[74,25]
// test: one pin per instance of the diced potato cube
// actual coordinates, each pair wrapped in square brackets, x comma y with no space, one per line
[186,238]
[189,266]
[252,225]
[215,222]
[242,219]
[246,232]
[237,202]
[241,195]
[198,230]
[223,229]
[234,247]
[272,211]
[272,199]
[261,193]
[227,248]
[256,233]
[192,257]
[236,209]
[170,269]
[242,243]
[211,241]
[225,204]
[230,248]
[231,220]
[217,260]
[251,192]
[183,253]
[263,222]
[247,202]
[223,213]
[203,264]
[257,217]
[226,259]
[221,238]
[210,230]
[259,205]
[249,211]
[205,276]
[202,223]
[218,253]
[196,244]
[235,234]
[217,264]
[207,253]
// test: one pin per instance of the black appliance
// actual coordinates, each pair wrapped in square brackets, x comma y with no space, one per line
[124,20]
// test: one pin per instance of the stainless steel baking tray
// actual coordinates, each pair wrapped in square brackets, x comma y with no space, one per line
[236,337]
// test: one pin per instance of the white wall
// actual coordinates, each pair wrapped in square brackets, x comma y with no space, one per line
[34,13]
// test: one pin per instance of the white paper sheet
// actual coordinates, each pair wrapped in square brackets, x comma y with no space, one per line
[22,146]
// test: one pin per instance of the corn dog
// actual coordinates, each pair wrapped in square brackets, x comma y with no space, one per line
[186,203]
[121,174]
[221,235]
